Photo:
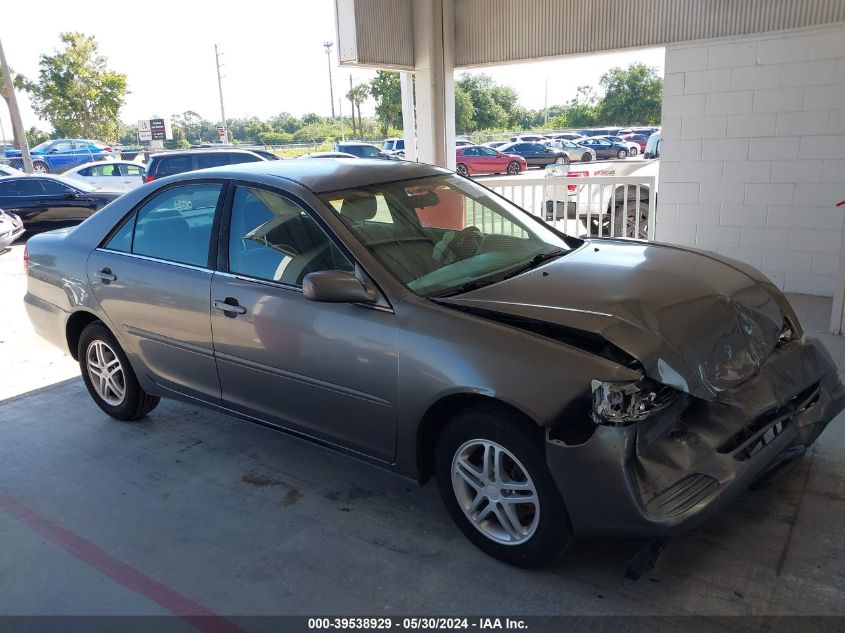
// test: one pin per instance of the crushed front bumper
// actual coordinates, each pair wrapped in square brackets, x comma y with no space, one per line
[674,471]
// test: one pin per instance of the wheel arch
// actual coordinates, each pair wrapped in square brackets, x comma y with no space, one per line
[77,322]
[438,415]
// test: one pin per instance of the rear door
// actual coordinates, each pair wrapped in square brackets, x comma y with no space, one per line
[153,281]
[324,369]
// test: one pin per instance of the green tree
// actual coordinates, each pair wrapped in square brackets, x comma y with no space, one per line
[77,92]
[387,93]
[633,95]
[34,136]
[357,95]
[464,111]
[495,107]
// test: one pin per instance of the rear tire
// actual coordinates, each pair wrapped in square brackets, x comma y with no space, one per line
[622,154]
[633,151]
[586,157]
[40,167]
[534,528]
[109,377]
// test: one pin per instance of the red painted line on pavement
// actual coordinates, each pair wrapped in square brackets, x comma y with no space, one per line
[194,613]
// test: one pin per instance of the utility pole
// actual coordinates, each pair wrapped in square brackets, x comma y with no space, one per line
[15,113]
[546,106]
[225,138]
[328,46]
[340,115]
[352,108]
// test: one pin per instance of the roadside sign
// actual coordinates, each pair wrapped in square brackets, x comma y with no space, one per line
[144,132]
[221,131]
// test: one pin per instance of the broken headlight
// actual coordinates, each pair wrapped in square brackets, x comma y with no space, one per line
[624,403]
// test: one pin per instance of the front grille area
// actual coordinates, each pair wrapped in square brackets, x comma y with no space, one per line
[760,432]
[682,495]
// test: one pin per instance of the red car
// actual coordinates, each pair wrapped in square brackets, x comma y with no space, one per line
[639,139]
[477,159]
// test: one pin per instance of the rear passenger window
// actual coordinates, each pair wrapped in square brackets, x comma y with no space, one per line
[275,239]
[176,224]
[170,165]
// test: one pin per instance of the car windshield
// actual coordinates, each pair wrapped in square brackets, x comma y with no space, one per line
[41,146]
[445,234]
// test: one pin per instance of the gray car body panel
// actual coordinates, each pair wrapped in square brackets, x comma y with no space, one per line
[609,310]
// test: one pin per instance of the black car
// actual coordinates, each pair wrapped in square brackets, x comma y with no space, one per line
[536,154]
[361,150]
[605,148]
[45,202]
[169,163]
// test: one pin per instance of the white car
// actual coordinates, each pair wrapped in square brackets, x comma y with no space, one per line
[601,208]
[116,175]
[8,170]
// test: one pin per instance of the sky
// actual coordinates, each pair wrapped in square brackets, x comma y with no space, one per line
[273,57]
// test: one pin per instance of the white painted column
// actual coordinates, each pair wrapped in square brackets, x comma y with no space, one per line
[409,118]
[434,68]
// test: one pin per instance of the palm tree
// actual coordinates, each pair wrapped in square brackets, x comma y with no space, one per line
[357,95]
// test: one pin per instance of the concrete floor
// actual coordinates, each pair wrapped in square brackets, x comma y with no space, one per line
[189,511]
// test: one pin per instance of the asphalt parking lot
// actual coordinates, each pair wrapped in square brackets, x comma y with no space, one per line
[191,512]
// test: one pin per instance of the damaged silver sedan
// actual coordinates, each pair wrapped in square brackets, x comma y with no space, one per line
[554,387]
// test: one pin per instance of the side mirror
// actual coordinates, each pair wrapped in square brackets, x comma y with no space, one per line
[70,194]
[335,286]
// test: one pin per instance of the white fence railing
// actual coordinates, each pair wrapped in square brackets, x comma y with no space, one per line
[603,206]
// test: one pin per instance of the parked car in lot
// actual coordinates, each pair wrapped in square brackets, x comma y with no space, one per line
[633,147]
[477,159]
[113,174]
[328,155]
[613,209]
[605,148]
[536,154]
[553,386]
[528,138]
[11,228]
[8,170]
[462,142]
[495,144]
[639,139]
[46,201]
[566,136]
[394,147]
[361,150]
[652,148]
[61,154]
[178,162]
[575,152]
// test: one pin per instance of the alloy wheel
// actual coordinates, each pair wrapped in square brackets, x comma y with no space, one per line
[106,372]
[495,492]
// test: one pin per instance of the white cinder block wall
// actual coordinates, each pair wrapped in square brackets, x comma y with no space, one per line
[753,153]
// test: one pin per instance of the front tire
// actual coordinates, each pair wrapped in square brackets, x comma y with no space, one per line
[493,479]
[513,168]
[462,170]
[109,377]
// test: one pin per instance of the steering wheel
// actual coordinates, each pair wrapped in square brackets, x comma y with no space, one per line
[465,244]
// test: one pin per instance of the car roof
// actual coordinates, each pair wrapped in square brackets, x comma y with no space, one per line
[105,162]
[321,175]
[202,150]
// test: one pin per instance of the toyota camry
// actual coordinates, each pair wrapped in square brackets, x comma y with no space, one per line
[403,314]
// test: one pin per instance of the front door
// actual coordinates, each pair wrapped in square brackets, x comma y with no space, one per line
[153,281]
[328,370]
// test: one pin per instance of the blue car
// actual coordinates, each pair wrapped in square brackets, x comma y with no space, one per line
[61,154]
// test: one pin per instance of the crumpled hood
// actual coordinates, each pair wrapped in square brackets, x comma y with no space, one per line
[695,321]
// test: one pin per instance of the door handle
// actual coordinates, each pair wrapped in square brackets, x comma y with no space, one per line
[229,306]
[105,275]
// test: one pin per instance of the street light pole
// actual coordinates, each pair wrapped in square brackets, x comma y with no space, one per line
[328,46]
[225,138]
[15,113]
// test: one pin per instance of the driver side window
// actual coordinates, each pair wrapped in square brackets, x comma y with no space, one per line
[274,239]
